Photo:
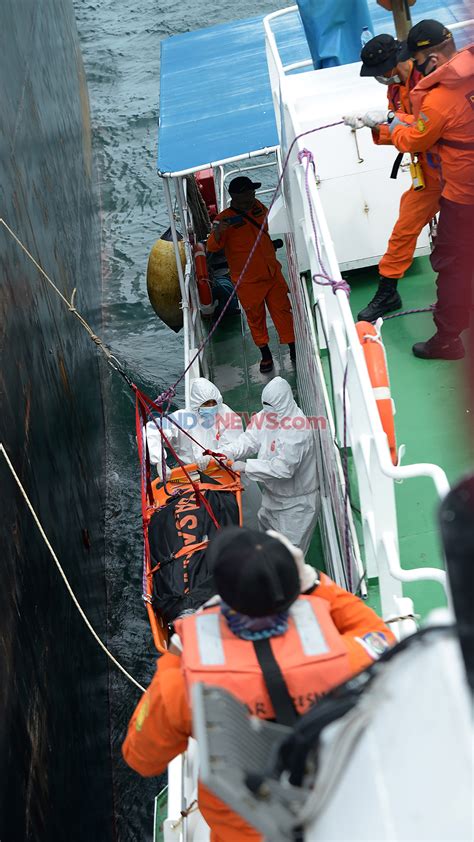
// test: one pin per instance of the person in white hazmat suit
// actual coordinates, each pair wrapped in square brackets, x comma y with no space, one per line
[215,426]
[282,439]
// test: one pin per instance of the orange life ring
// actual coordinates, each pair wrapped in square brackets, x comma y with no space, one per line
[202,279]
[376,361]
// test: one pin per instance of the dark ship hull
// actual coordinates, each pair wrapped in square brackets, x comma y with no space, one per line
[55,775]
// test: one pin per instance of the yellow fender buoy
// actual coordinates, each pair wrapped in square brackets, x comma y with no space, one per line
[162,282]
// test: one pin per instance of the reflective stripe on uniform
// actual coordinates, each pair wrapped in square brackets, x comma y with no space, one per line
[312,639]
[211,649]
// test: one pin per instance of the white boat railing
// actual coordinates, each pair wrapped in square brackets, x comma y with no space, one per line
[354,404]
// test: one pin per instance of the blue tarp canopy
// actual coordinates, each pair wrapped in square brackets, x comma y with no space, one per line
[215,98]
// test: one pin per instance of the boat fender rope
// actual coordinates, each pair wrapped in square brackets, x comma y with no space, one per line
[63,575]
[185,813]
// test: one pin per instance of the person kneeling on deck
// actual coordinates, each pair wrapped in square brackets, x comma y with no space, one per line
[260,627]
[282,439]
[236,230]
[212,424]
[420,203]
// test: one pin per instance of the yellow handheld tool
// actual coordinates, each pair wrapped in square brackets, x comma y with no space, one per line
[416,173]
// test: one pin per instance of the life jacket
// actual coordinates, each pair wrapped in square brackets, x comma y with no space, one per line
[311,655]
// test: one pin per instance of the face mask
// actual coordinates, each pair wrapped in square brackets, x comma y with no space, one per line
[389,80]
[208,411]
[422,67]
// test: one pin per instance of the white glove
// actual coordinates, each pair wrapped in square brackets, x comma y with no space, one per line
[308,575]
[202,462]
[374,118]
[354,121]
[239,466]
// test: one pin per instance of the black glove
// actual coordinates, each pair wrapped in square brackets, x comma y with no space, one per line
[277,244]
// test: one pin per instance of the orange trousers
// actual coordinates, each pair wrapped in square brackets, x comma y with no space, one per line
[417,208]
[254,294]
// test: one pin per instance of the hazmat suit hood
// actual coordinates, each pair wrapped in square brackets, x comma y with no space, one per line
[277,397]
[203,390]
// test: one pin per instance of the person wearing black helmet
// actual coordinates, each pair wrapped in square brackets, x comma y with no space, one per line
[418,205]
[235,231]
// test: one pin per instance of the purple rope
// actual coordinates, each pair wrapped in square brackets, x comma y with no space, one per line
[345,469]
[328,281]
[409,312]
[252,252]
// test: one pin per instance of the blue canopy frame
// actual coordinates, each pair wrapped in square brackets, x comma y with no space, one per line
[215,98]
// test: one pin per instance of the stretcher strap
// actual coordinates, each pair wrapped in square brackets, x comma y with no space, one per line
[285,711]
[396,165]
[187,551]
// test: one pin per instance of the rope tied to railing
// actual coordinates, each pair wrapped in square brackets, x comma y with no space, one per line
[327,279]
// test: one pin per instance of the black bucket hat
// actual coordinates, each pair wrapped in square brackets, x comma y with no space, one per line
[379,55]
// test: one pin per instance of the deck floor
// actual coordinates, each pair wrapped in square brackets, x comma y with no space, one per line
[431,412]
[431,418]
[234,362]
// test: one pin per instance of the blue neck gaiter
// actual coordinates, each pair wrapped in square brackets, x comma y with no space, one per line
[254,628]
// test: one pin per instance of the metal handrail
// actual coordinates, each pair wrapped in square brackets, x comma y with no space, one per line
[345,349]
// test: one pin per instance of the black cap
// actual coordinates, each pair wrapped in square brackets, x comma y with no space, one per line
[379,55]
[253,573]
[241,184]
[422,36]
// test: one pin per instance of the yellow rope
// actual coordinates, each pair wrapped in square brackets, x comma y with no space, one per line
[113,362]
[65,579]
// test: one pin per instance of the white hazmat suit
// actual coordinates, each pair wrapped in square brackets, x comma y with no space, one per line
[216,431]
[283,440]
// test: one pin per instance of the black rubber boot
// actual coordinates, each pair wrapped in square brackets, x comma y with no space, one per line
[440,347]
[384,301]
[266,363]
[291,346]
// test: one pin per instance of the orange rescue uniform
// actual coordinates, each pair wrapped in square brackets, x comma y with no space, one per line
[417,207]
[263,282]
[162,722]
[443,107]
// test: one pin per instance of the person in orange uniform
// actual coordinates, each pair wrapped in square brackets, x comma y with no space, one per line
[235,230]
[260,620]
[443,108]
[380,59]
